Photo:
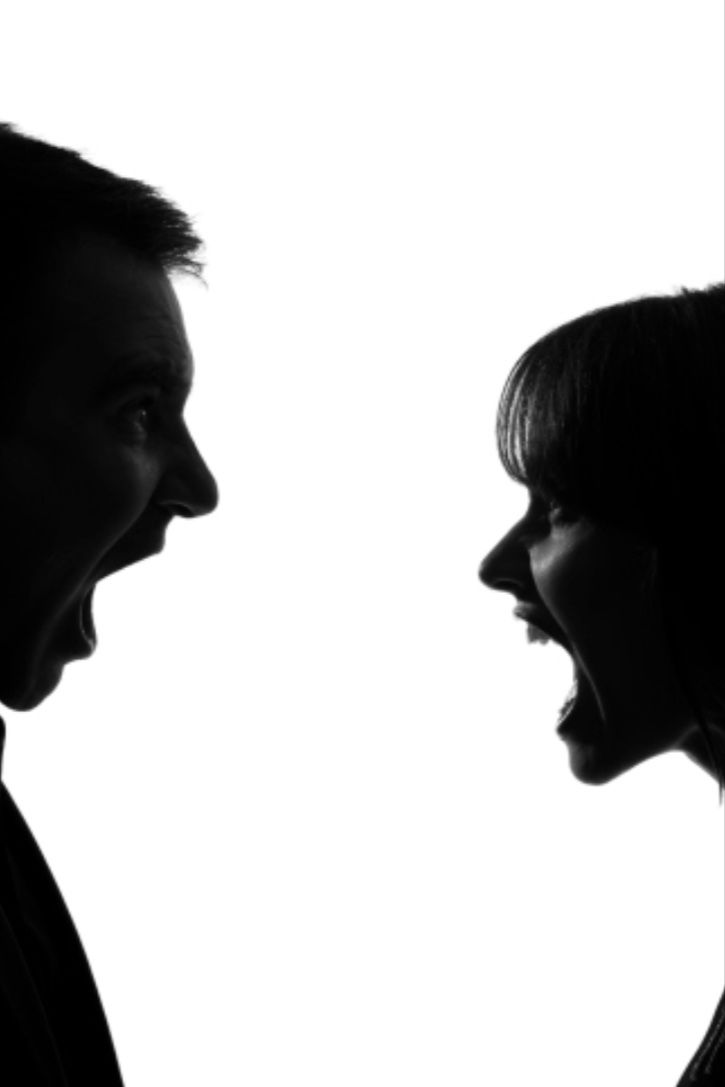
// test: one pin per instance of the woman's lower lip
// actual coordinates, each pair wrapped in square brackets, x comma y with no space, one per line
[580,711]
[567,721]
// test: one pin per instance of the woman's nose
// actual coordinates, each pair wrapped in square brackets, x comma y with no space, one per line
[506,566]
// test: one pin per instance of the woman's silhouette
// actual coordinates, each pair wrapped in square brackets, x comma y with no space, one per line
[615,424]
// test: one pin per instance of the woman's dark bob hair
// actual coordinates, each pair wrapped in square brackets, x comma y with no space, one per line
[620,414]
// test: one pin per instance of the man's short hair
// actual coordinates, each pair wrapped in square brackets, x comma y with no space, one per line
[50,193]
[49,197]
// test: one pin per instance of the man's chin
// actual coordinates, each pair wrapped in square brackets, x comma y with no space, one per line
[23,689]
[33,659]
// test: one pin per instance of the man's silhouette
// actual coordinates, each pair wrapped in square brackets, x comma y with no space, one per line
[95,461]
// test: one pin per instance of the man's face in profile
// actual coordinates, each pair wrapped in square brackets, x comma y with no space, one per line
[98,460]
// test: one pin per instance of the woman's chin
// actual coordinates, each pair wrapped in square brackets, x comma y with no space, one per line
[588,765]
[600,750]
[606,752]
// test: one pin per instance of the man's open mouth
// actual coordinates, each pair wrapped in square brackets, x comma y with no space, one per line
[86,622]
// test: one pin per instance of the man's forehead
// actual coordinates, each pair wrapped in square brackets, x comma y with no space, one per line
[121,309]
[173,372]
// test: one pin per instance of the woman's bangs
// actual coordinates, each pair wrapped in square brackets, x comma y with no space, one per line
[537,430]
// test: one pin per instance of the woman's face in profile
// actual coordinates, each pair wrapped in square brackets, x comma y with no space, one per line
[587,586]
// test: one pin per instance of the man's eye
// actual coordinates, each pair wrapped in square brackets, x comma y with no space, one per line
[138,415]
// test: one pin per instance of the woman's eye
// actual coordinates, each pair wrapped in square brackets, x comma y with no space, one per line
[559,514]
[546,514]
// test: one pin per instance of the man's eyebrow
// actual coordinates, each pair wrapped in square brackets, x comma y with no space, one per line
[138,370]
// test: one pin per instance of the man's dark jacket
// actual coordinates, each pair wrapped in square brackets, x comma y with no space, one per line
[52,1027]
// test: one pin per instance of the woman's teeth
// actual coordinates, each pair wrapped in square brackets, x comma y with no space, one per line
[569,701]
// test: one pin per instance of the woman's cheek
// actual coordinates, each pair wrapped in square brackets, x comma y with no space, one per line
[591,579]
[569,576]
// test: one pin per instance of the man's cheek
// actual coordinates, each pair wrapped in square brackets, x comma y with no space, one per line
[117,488]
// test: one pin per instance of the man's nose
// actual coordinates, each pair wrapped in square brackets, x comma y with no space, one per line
[188,488]
[506,566]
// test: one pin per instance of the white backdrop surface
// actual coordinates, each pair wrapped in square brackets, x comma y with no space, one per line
[306,803]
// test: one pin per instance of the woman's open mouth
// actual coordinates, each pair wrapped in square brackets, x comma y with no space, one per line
[569,702]
[581,710]
[581,713]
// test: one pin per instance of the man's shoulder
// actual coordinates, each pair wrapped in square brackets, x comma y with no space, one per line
[36,925]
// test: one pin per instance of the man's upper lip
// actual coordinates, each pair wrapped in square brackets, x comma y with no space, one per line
[130,555]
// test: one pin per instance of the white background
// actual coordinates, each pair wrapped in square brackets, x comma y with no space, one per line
[306,803]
